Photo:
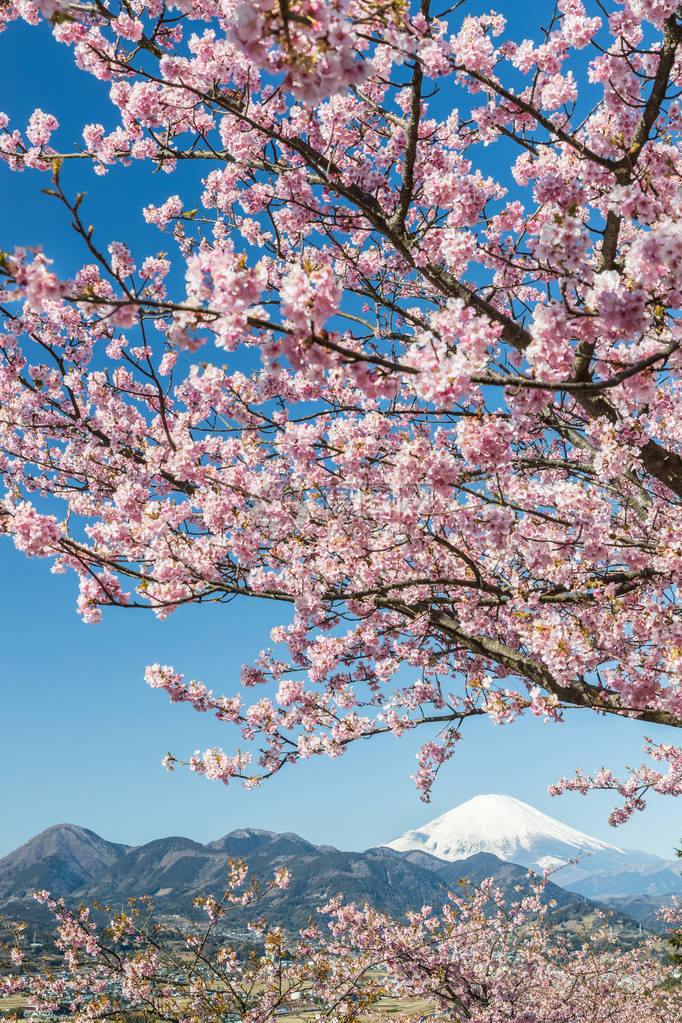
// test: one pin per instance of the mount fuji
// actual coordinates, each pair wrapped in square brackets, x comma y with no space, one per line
[518,833]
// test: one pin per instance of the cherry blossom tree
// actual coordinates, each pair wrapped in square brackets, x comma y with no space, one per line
[478,960]
[455,258]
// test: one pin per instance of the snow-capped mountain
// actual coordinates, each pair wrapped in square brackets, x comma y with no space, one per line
[519,833]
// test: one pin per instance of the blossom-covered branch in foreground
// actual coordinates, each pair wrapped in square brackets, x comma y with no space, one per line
[408,362]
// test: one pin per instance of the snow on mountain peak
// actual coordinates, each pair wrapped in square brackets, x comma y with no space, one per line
[507,827]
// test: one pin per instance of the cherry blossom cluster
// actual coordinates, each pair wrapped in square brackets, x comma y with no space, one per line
[315,44]
[408,362]
[480,958]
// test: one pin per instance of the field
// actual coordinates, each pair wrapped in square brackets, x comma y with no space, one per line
[386,1007]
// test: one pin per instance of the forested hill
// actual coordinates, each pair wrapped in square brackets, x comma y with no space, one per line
[77,864]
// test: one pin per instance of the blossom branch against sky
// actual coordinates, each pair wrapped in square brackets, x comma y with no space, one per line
[408,364]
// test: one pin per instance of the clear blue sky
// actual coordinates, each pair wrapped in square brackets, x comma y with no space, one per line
[79,739]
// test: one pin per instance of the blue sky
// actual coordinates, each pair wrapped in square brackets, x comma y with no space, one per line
[82,737]
[80,740]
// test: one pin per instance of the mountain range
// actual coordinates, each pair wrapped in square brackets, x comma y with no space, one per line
[489,836]
[517,832]
[73,862]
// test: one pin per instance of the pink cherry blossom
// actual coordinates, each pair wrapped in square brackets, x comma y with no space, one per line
[347,961]
[399,349]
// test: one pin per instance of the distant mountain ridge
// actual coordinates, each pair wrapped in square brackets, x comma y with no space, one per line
[63,857]
[77,864]
[175,870]
[502,825]
[402,876]
[518,833]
